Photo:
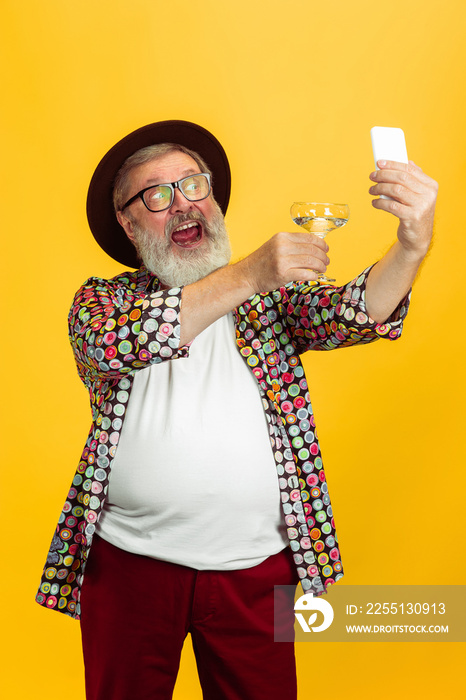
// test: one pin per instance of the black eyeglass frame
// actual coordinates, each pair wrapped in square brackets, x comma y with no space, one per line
[172,186]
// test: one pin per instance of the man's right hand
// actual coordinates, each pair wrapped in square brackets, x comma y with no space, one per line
[286,257]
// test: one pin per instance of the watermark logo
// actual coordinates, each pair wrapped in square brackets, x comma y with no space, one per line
[371,613]
[308,603]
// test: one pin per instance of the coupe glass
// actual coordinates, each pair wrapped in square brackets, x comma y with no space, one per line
[320,218]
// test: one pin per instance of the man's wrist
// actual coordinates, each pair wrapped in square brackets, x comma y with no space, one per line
[242,272]
[412,254]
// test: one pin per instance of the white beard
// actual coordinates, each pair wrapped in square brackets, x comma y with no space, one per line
[192,264]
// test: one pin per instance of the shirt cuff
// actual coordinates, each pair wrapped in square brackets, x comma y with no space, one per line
[161,321]
[353,308]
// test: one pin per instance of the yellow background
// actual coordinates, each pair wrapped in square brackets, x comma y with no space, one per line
[291,90]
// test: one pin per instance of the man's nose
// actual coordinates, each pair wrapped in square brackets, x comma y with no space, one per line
[180,203]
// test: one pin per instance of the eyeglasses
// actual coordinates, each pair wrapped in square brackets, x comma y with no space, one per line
[160,197]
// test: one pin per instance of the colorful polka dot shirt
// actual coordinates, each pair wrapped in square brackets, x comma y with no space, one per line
[121,325]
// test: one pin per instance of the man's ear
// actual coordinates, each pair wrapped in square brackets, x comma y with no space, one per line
[126,224]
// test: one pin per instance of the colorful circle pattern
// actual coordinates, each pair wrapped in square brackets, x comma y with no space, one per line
[120,325]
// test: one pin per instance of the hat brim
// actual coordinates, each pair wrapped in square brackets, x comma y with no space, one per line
[100,212]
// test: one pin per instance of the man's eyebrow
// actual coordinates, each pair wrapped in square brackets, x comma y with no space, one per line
[159,181]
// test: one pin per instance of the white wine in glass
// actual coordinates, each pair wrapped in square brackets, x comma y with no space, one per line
[320,218]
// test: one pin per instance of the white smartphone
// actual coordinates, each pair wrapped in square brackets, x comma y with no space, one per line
[388,144]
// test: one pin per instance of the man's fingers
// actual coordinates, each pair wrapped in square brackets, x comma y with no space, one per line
[417,167]
[312,257]
[299,265]
[298,274]
[409,168]
[399,177]
[287,257]
[306,239]
[392,206]
[305,248]
[395,191]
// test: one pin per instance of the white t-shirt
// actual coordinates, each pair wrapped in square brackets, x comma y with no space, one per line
[194,479]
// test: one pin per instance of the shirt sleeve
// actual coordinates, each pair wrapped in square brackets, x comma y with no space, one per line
[323,317]
[115,331]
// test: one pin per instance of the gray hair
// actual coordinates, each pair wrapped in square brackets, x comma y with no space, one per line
[145,155]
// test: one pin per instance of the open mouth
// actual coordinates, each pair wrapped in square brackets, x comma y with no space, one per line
[188,235]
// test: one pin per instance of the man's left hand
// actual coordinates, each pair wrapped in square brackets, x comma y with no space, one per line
[413,200]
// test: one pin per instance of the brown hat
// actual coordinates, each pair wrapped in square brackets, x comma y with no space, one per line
[100,212]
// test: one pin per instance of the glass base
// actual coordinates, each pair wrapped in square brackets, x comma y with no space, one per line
[323,278]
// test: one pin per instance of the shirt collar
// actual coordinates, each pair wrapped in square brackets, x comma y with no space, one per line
[146,280]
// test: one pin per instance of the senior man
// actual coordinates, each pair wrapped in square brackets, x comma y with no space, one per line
[201,484]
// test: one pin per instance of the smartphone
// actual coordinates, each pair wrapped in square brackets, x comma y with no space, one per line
[389,144]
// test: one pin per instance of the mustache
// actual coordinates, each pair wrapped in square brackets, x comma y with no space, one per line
[180,219]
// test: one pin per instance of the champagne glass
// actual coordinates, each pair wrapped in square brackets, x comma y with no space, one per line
[320,218]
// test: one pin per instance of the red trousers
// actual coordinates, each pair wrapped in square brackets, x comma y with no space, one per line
[137,611]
